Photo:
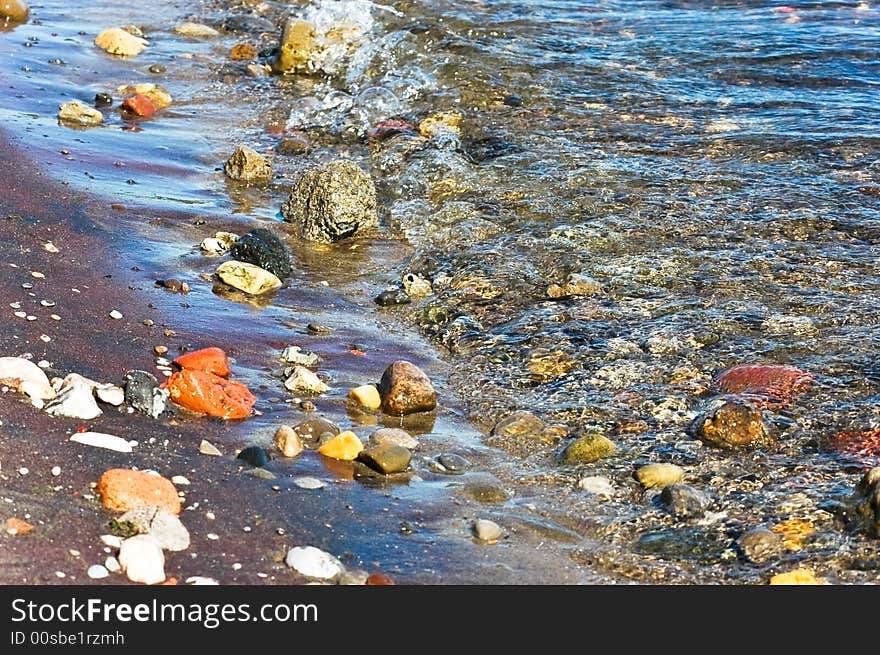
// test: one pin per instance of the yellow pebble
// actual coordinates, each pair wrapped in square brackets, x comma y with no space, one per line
[366,396]
[343,446]
[797,577]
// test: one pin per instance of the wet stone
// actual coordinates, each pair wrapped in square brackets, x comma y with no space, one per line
[394,437]
[386,458]
[296,355]
[684,543]
[453,463]
[311,430]
[685,502]
[313,562]
[287,441]
[406,389]
[332,202]
[587,449]
[759,545]
[731,423]
[254,455]
[520,434]
[659,475]
[103,100]
[392,298]
[596,485]
[246,277]
[142,392]
[868,501]
[262,248]
[485,488]
[247,165]
[487,531]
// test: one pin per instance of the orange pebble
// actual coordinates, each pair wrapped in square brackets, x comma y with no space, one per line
[210,394]
[345,445]
[210,360]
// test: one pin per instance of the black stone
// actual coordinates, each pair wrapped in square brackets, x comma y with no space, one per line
[453,463]
[490,148]
[684,501]
[391,297]
[262,248]
[139,386]
[157,69]
[254,455]
[103,100]
[513,100]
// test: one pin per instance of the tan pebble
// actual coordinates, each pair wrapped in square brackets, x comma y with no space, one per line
[366,396]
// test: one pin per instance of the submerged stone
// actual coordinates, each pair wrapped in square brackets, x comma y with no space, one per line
[731,422]
[586,449]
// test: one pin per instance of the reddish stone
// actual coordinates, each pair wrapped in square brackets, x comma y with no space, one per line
[379,579]
[125,489]
[862,446]
[18,526]
[389,127]
[140,105]
[209,360]
[243,51]
[767,386]
[210,394]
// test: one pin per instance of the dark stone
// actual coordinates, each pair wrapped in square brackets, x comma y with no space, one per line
[513,100]
[489,148]
[254,455]
[311,430]
[157,69]
[386,458]
[683,543]
[140,388]
[453,463]
[868,503]
[293,145]
[262,248]
[103,100]
[248,23]
[391,297]
[683,501]
[760,544]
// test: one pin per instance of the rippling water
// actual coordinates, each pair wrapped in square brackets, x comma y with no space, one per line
[713,166]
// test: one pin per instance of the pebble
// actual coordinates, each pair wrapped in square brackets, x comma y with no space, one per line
[406,389]
[77,113]
[302,380]
[103,100]
[296,47]
[180,480]
[199,30]
[110,394]
[353,578]
[331,202]
[731,423]
[160,524]
[287,441]
[597,485]
[112,564]
[684,502]
[111,540]
[659,475]
[26,377]
[115,314]
[392,297]
[394,437]
[254,455]
[139,105]
[485,488]
[587,449]
[243,52]
[14,10]
[124,489]
[247,277]
[295,355]
[219,244]
[453,463]
[313,562]
[576,285]
[75,399]
[23,470]
[311,430]
[797,577]
[487,531]
[521,434]
[367,396]
[97,572]
[157,69]
[775,386]
[142,560]
[249,166]
[102,440]
[760,544]
[142,392]
[344,446]
[386,458]
[117,41]
[416,286]
[308,483]
[440,123]
[56,471]
[210,394]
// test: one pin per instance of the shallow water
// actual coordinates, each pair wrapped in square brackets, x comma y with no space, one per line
[713,166]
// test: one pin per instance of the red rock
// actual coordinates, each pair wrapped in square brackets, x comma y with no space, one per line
[210,394]
[389,127]
[862,446]
[18,526]
[124,489]
[140,105]
[209,360]
[379,579]
[767,386]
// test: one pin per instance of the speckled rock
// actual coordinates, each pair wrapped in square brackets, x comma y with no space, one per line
[406,389]
[576,285]
[586,449]
[262,248]
[296,47]
[759,545]
[685,502]
[247,165]
[331,202]
[142,392]
[797,577]
[868,501]
[659,475]
[312,429]
[731,422]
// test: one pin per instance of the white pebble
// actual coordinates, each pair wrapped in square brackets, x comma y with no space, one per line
[236,566]
[97,571]
[60,574]
[212,536]
[44,363]
[597,485]
[179,479]
[111,540]
[116,314]
[20,314]
[313,562]
[45,338]
[308,483]
[487,530]
[142,559]
[112,565]
[210,516]
[23,470]
[56,471]
[199,580]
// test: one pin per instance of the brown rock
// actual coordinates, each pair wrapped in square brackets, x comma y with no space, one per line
[731,422]
[312,429]
[17,526]
[242,52]
[287,441]
[406,389]
[247,165]
[124,489]
[386,458]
